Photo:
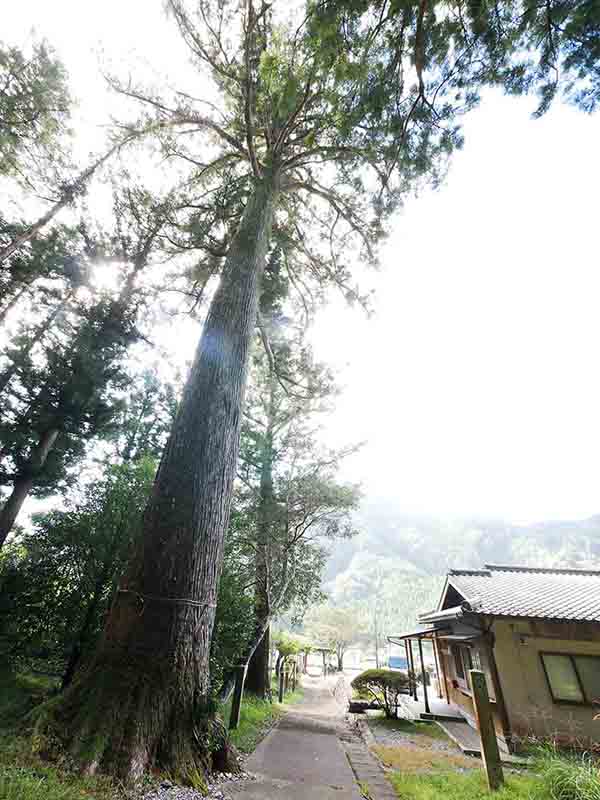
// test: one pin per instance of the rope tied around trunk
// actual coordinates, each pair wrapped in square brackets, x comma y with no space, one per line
[188,601]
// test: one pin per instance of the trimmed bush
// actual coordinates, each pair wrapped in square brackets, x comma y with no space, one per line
[384,686]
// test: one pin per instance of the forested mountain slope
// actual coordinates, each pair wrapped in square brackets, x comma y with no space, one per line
[398,561]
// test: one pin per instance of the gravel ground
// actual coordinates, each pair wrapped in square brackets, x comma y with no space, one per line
[389,737]
[167,790]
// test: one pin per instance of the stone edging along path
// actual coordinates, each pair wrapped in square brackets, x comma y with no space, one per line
[356,740]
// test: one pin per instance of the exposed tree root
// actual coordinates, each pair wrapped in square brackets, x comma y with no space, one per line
[126,721]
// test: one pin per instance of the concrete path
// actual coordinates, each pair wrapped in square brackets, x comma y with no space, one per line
[302,757]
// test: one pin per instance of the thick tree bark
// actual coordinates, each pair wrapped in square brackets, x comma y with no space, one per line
[23,484]
[258,678]
[143,699]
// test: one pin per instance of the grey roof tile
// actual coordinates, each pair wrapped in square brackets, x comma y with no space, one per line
[542,593]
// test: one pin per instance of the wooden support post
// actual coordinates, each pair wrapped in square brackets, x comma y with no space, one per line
[487,732]
[437,667]
[408,666]
[238,693]
[424,677]
[412,670]
[281,681]
[324,665]
[499,694]
[443,666]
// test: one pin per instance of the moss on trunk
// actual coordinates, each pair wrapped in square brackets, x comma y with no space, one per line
[143,702]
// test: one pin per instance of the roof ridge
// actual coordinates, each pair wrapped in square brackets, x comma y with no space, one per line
[485,572]
[540,570]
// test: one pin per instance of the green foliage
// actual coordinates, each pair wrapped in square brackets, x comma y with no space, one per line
[143,421]
[21,692]
[34,109]
[384,685]
[287,644]
[234,619]
[56,581]
[48,257]
[65,379]
[550,48]
[387,591]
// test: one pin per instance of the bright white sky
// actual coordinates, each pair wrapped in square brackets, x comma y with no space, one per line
[476,383]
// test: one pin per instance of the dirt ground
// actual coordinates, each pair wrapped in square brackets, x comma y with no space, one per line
[416,747]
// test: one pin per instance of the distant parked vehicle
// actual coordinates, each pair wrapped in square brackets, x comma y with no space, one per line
[398,662]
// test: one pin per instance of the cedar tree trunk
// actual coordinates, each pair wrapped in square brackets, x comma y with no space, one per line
[142,701]
[258,678]
[24,483]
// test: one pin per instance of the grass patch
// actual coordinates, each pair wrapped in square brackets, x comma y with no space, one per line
[464,786]
[573,777]
[416,759]
[556,777]
[23,775]
[257,717]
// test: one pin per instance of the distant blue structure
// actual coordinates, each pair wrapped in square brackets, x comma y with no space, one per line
[398,662]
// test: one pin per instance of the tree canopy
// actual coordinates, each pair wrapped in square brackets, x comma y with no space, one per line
[279,179]
[35,108]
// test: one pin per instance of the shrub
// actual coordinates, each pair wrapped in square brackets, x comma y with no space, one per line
[384,686]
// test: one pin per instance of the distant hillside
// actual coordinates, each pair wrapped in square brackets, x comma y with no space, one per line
[402,559]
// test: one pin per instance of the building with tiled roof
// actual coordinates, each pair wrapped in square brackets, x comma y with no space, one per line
[535,633]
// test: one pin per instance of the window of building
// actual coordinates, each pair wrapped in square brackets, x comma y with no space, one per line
[572,678]
[588,669]
[476,660]
[462,664]
[458,662]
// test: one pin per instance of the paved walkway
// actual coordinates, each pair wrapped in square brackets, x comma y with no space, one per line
[302,757]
